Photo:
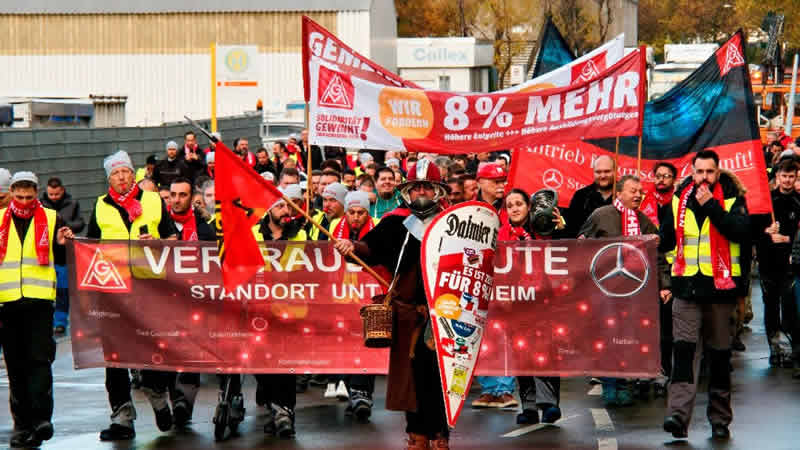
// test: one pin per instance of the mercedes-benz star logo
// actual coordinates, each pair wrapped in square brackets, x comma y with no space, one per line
[552,178]
[620,269]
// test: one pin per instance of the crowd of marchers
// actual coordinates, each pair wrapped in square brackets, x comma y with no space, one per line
[708,247]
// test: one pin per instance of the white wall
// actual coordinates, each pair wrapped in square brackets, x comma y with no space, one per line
[160,88]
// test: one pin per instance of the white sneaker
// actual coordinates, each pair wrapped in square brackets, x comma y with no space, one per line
[330,391]
[341,392]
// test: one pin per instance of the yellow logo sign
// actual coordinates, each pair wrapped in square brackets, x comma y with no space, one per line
[237,61]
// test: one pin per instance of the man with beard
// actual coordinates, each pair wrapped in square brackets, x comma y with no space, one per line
[593,196]
[171,167]
[388,198]
[31,242]
[413,384]
[656,205]
[622,218]
[127,213]
[774,245]
[708,223]
[277,392]
[242,148]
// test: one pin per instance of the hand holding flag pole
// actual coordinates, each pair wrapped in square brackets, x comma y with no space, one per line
[242,261]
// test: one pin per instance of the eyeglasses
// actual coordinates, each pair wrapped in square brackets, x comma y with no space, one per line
[664,177]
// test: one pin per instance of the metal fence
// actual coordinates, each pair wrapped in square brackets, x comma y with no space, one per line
[76,155]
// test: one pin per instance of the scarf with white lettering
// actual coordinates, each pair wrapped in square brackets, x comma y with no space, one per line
[40,232]
[630,221]
[342,230]
[720,249]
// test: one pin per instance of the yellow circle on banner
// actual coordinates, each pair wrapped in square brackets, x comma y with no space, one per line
[236,60]
[405,113]
[447,306]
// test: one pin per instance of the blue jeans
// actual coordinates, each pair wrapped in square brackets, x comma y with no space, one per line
[61,315]
[496,385]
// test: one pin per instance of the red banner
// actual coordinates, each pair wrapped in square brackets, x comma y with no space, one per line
[320,43]
[161,305]
[348,111]
[568,167]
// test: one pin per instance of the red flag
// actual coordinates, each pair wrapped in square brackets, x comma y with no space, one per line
[244,198]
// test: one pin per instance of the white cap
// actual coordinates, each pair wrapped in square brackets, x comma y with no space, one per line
[210,157]
[365,157]
[119,159]
[217,135]
[357,199]
[172,144]
[5,180]
[336,191]
[293,136]
[24,176]
[269,176]
[293,191]
[392,161]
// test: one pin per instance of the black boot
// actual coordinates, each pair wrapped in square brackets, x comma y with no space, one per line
[673,424]
[117,432]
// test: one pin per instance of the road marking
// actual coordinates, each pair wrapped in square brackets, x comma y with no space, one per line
[531,428]
[606,444]
[597,389]
[602,421]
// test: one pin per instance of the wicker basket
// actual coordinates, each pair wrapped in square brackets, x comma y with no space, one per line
[377,321]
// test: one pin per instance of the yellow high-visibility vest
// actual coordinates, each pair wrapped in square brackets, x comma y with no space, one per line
[313,232]
[112,227]
[697,244]
[20,274]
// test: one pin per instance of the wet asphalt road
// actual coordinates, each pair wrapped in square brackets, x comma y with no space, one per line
[766,416]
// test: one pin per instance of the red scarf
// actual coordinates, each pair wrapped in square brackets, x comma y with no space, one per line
[128,201]
[187,220]
[343,229]
[665,198]
[519,233]
[40,231]
[630,221]
[720,250]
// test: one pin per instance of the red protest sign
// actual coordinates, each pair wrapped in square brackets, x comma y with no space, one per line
[549,314]
[444,122]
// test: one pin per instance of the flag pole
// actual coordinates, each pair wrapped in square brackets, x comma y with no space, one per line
[616,167]
[322,229]
[639,157]
[213,87]
[309,183]
[355,258]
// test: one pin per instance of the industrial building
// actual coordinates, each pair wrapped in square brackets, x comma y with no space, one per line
[154,55]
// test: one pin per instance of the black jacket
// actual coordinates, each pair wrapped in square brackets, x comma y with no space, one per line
[205,231]
[166,171]
[582,205]
[774,258]
[68,209]
[194,168]
[733,225]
